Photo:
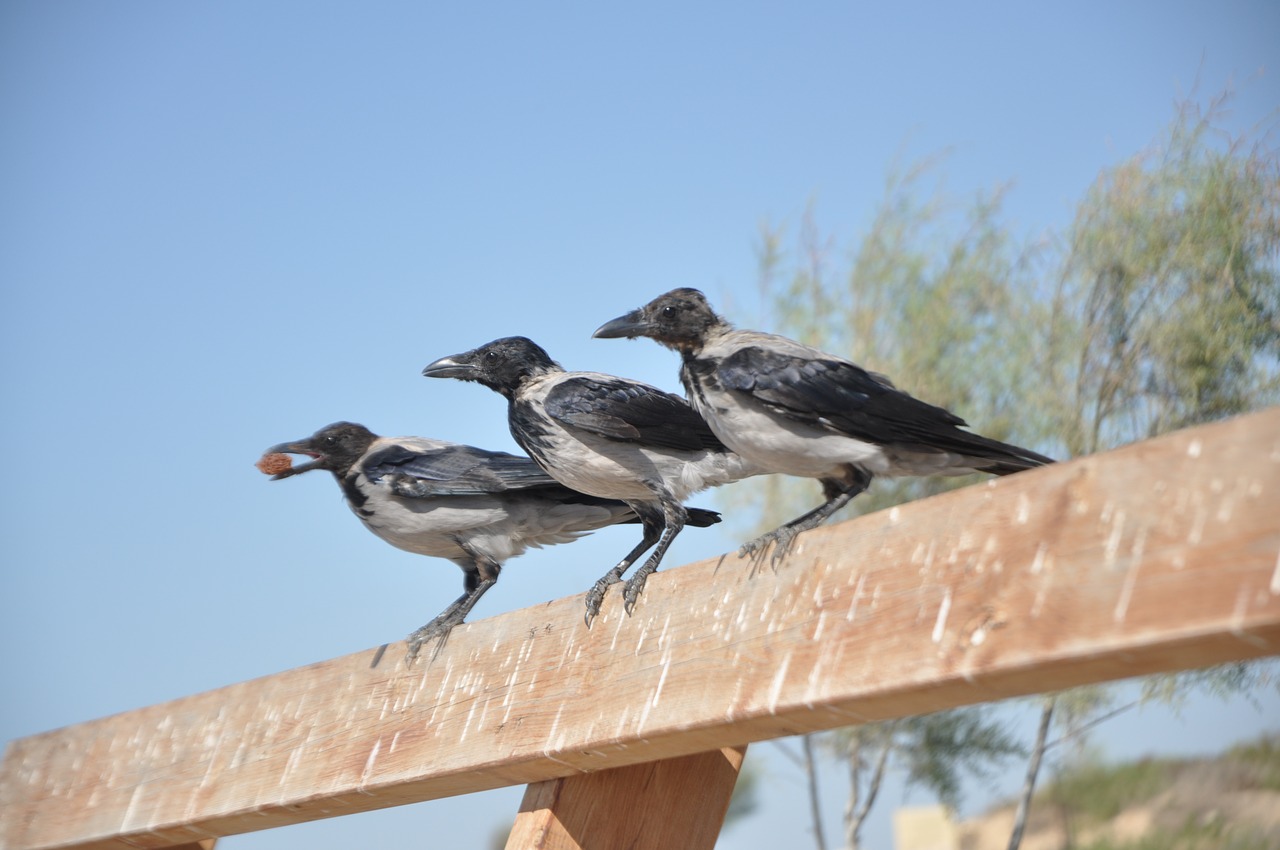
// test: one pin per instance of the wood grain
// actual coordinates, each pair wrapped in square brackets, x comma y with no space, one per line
[677,802]
[1161,556]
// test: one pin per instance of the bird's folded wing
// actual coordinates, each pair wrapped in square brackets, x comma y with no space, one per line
[453,471]
[627,411]
[838,396]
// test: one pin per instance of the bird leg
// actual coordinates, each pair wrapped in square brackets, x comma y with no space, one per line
[675,516]
[838,495]
[479,579]
[652,521]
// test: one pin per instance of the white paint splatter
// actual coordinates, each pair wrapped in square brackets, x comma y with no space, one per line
[857,597]
[775,690]
[662,680]
[940,625]
[1126,593]
[1113,542]
[1037,563]
[369,762]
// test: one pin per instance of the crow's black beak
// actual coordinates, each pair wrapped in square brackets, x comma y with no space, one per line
[450,367]
[632,325]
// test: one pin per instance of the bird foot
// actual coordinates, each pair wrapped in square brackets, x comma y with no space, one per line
[781,539]
[437,630]
[595,596]
[631,593]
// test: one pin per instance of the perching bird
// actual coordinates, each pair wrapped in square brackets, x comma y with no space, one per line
[475,507]
[794,409]
[606,436]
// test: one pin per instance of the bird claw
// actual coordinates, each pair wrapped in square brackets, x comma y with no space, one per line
[437,630]
[781,539]
[595,596]
[631,593]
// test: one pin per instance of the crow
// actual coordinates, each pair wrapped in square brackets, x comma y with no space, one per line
[793,409]
[606,436]
[474,507]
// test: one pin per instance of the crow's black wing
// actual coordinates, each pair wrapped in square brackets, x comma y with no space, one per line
[630,412]
[839,396]
[453,471]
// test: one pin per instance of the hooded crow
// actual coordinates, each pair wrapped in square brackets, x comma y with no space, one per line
[794,409]
[606,436]
[474,507]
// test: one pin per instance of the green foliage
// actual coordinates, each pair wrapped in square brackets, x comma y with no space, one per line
[1261,758]
[940,748]
[935,750]
[1097,792]
[1159,308]
[1193,835]
[1168,310]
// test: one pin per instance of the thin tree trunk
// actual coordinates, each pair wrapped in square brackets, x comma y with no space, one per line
[1033,770]
[855,819]
[811,774]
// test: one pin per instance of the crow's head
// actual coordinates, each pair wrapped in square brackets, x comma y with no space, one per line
[679,319]
[503,365]
[335,447]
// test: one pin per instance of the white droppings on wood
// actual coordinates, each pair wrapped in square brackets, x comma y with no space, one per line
[940,625]
[1126,592]
[1023,511]
[821,625]
[1194,448]
[130,808]
[370,762]
[289,765]
[555,726]
[1196,534]
[1237,620]
[1037,563]
[1113,540]
[917,554]
[928,559]
[662,679]
[1275,578]
[775,690]
[857,597]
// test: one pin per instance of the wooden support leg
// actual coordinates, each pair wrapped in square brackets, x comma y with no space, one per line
[679,802]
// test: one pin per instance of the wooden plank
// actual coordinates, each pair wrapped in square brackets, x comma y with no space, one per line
[1161,556]
[679,802]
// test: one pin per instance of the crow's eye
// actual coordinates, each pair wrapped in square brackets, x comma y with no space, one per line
[668,311]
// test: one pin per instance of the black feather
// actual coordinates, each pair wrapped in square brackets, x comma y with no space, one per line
[630,412]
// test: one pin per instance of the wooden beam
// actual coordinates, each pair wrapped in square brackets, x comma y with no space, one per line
[1161,556]
[677,802]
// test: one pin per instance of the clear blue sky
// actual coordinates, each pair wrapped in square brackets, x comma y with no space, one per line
[226,225]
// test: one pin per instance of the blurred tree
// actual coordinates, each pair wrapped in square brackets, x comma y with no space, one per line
[1162,310]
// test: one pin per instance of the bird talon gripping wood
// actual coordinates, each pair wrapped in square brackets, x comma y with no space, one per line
[793,409]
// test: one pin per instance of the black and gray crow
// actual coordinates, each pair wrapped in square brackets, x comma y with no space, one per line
[794,409]
[606,436]
[474,507]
